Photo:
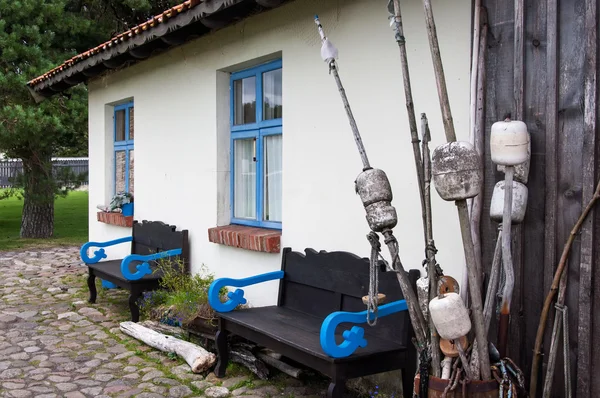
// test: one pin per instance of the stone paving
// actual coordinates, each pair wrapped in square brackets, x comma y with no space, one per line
[54,344]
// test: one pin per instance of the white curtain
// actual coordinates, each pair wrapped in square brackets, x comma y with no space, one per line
[273,177]
[272,100]
[244,179]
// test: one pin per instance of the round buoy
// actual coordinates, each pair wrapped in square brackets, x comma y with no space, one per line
[457,171]
[449,348]
[447,284]
[519,202]
[375,191]
[509,142]
[450,316]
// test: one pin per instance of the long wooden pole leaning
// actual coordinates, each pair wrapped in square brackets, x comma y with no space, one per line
[410,109]
[461,205]
[436,357]
[562,264]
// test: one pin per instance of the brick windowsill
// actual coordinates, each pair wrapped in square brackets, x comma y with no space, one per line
[249,238]
[117,219]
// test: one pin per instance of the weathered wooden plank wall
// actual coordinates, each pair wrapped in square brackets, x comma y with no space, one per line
[541,66]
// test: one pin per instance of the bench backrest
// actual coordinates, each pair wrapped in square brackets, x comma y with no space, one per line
[319,283]
[155,236]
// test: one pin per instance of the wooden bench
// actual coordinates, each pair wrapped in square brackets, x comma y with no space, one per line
[137,272]
[320,298]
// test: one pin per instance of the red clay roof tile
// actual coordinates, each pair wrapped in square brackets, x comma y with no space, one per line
[151,23]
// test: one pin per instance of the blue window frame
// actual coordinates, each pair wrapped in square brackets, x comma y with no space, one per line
[123,135]
[256,142]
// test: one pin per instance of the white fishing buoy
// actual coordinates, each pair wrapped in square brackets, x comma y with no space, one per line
[519,202]
[457,171]
[450,316]
[509,142]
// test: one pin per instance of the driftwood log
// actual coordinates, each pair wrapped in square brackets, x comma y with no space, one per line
[197,357]
[242,354]
[165,329]
[280,365]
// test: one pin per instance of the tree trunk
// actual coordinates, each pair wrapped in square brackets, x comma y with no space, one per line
[37,220]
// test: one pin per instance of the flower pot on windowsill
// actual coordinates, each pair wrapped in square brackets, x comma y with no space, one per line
[127,209]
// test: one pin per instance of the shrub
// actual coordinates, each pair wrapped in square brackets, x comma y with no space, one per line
[182,297]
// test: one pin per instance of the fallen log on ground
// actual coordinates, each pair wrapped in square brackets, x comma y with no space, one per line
[280,365]
[165,329]
[244,356]
[197,357]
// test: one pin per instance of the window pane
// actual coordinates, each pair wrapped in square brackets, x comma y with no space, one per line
[119,171]
[131,123]
[120,125]
[273,177]
[131,171]
[272,103]
[245,100]
[244,179]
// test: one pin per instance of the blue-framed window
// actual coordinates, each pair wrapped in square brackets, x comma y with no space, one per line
[123,148]
[256,146]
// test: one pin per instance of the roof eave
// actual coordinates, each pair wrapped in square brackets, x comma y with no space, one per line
[198,21]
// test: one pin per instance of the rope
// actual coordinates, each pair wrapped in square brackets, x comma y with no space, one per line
[372,307]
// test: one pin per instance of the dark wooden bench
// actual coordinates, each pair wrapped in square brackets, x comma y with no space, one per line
[312,287]
[137,272]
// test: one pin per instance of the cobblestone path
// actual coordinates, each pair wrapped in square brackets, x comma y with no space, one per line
[54,344]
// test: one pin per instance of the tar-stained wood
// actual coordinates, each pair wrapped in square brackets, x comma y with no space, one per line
[559,67]
[551,157]
[533,225]
[584,369]
[516,326]
[499,102]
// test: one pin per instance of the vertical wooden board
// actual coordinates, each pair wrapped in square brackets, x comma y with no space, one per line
[570,148]
[551,165]
[533,225]
[589,181]
[516,327]
[594,328]
[499,94]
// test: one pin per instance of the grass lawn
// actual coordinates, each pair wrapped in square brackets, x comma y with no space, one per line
[70,222]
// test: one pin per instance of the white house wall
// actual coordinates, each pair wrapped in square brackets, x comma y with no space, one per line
[181,124]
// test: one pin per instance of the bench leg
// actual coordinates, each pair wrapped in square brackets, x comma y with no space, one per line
[91,281]
[409,372]
[136,293]
[223,353]
[336,388]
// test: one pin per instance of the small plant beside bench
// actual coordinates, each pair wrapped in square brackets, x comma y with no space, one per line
[137,272]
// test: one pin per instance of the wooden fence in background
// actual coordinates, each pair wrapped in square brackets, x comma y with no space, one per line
[9,168]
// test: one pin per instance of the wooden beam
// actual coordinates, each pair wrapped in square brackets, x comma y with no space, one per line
[584,332]
[269,3]
[140,53]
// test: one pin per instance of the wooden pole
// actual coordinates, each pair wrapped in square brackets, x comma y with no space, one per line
[509,273]
[410,109]
[535,365]
[461,205]
[478,140]
[436,357]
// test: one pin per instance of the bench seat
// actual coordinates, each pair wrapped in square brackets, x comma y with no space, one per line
[301,331]
[112,268]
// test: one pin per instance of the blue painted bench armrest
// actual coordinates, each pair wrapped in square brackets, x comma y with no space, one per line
[100,253]
[144,267]
[355,337]
[237,297]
